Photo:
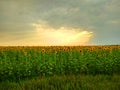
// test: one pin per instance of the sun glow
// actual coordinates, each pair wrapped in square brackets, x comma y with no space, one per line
[46,35]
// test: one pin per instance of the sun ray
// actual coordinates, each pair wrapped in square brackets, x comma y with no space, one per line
[61,36]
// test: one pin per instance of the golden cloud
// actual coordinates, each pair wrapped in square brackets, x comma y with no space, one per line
[47,35]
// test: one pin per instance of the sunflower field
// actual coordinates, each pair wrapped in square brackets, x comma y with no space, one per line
[23,62]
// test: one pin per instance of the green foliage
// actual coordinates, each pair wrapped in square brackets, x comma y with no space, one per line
[65,82]
[18,63]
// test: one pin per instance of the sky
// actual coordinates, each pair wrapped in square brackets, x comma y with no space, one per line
[59,22]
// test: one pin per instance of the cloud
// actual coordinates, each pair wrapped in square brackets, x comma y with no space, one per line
[47,35]
[17,15]
[114,22]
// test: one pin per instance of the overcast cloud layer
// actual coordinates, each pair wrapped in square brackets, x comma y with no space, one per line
[101,17]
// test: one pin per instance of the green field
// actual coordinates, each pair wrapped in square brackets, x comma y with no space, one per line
[55,67]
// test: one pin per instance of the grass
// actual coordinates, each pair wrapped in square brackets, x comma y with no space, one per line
[66,82]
